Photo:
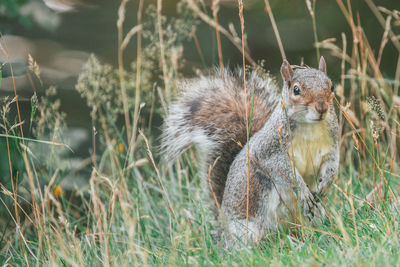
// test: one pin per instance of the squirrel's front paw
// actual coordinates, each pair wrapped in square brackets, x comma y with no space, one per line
[313,210]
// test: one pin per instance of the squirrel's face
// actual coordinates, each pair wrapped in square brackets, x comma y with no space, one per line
[308,93]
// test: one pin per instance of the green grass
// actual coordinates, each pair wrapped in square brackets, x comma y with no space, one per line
[133,223]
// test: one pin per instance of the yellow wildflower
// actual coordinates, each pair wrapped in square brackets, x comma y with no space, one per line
[120,148]
[58,191]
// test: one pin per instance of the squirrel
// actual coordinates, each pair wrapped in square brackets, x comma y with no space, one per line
[292,154]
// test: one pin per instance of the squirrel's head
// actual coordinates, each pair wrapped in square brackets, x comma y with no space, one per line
[307,92]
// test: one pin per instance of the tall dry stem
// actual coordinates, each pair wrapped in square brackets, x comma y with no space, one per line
[215,9]
[240,4]
[14,187]
[162,52]
[311,11]
[138,72]
[120,24]
[235,41]
[20,122]
[268,10]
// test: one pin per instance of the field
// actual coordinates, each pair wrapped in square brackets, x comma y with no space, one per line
[133,209]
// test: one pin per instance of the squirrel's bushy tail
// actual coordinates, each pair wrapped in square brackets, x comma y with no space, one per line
[211,113]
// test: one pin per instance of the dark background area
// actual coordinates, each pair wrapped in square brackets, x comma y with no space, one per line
[92,29]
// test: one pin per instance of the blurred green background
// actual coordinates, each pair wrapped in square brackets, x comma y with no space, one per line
[92,29]
[61,43]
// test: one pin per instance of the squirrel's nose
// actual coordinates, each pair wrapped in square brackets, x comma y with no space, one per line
[321,107]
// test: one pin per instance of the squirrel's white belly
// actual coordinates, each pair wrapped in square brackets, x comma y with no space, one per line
[311,143]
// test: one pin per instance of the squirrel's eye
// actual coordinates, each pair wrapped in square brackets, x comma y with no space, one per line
[296,90]
[332,88]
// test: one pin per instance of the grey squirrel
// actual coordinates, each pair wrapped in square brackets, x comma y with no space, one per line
[292,156]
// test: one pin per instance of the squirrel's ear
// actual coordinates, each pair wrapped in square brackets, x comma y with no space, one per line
[322,64]
[286,71]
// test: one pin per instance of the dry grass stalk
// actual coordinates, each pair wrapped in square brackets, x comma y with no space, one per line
[237,43]
[335,51]
[14,188]
[157,172]
[110,144]
[210,169]
[215,9]
[129,35]
[311,8]
[381,20]
[4,49]
[132,143]
[361,40]
[120,23]
[32,189]
[384,40]
[197,44]
[132,228]
[162,52]
[268,10]
[101,217]
[21,235]
[377,196]
[138,71]
[240,4]
[363,64]
[315,230]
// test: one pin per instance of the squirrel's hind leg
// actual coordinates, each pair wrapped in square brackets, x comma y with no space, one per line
[239,233]
[258,226]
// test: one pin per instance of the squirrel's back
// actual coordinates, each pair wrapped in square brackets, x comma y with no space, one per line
[211,113]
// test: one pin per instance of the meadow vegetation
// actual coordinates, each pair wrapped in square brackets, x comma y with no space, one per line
[137,210]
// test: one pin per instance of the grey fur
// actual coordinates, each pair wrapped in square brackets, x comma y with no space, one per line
[276,186]
[215,142]
[178,133]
